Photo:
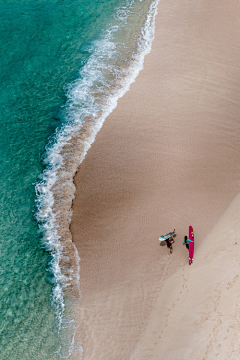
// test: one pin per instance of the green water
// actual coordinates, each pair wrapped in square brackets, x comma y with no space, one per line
[44,44]
[39,44]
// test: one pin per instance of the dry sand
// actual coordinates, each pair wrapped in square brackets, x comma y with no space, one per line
[167,157]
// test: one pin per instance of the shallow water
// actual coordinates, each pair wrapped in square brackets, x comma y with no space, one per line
[65,64]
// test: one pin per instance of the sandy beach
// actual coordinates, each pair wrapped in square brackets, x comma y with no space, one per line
[167,157]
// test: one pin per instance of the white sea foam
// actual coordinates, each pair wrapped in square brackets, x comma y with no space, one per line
[90,99]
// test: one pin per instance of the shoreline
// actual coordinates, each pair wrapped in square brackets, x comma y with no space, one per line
[166,157]
[89,100]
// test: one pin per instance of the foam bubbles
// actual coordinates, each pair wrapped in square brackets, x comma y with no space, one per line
[106,76]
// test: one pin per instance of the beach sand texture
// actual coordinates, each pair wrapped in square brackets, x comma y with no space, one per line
[167,157]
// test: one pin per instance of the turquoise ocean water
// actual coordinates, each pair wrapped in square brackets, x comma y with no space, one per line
[64,64]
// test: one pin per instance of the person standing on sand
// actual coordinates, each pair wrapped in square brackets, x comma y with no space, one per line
[169,244]
[186,242]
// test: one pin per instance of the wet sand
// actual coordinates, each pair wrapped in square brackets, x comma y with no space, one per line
[167,157]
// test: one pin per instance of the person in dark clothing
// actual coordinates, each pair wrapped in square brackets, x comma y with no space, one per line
[186,242]
[169,244]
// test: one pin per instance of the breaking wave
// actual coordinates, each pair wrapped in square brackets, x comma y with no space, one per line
[103,79]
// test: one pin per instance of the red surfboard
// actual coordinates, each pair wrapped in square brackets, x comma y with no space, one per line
[191,244]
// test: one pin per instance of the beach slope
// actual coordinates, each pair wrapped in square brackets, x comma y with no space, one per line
[167,157]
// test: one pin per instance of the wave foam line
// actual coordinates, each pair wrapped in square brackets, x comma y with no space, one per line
[90,99]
